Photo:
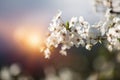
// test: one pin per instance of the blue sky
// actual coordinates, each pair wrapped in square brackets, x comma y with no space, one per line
[15,8]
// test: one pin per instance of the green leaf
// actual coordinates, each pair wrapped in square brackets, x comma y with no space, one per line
[118,39]
[67,25]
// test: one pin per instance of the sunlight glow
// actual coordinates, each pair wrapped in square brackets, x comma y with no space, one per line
[33,40]
[28,38]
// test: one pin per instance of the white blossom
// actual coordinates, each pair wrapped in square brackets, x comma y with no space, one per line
[47,53]
[78,32]
[73,22]
[63,52]
[89,46]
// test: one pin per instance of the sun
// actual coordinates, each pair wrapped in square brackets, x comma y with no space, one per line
[29,38]
[33,40]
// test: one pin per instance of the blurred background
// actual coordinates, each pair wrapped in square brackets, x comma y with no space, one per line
[23,29]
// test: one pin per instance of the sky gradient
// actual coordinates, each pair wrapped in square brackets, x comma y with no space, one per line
[32,16]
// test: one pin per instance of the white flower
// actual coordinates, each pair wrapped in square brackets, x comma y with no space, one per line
[52,27]
[56,26]
[106,25]
[110,48]
[116,20]
[77,40]
[74,30]
[111,34]
[117,31]
[58,16]
[52,41]
[73,22]
[64,48]
[56,23]
[89,46]
[81,19]
[83,22]
[63,52]
[47,53]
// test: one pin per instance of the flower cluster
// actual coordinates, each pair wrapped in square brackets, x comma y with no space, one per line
[78,32]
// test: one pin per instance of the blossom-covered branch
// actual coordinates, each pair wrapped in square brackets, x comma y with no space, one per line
[78,32]
[103,5]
